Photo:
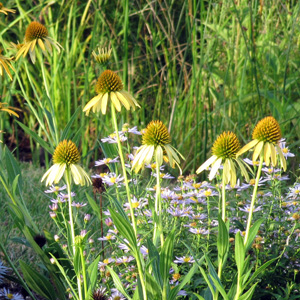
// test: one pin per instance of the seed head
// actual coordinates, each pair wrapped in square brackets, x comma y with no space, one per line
[34,31]
[267,130]
[226,146]
[156,134]
[66,153]
[109,81]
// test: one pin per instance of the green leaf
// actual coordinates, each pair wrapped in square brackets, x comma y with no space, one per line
[92,272]
[38,139]
[153,287]
[252,233]
[198,296]
[220,288]
[154,259]
[260,269]
[166,256]
[118,282]
[37,282]
[210,286]
[248,295]
[13,170]
[223,240]
[239,252]
[124,227]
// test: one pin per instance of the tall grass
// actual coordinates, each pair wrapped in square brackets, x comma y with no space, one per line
[199,66]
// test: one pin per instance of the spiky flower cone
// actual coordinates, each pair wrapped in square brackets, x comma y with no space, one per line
[109,87]
[156,142]
[266,136]
[225,150]
[66,156]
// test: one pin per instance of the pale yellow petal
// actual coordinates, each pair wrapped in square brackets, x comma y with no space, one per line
[149,155]
[169,154]
[257,150]
[91,103]
[104,103]
[123,100]
[41,44]
[115,101]
[273,155]
[267,153]
[159,155]
[206,164]
[60,173]
[232,173]
[247,147]
[282,158]
[215,167]
[243,169]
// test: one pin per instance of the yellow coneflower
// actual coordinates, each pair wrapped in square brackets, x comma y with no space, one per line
[102,56]
[37,33]
[5,10]
[66,156]
[9,109]
[156,142]
[266,136]
[225,151]
[5,65]
[109,87]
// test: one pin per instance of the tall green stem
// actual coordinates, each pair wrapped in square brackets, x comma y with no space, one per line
[253,198]
[68,181]
[138,259]
[158,206]
[223,198]
[113,111]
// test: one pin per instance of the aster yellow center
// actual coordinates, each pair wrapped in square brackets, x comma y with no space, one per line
[34,31]
[108,81]
[156,134]
[66,153]
[226,146]
[186,259]
[267,130]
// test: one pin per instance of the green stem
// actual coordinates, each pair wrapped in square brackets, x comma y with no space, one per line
[83,272]
[113,111]
[253,199]
[223,198]
[138,259]
[158,204]
[68,181]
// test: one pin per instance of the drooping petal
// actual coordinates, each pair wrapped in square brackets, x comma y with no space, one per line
[257,150]
[104,103]
[267,153]
[215,167]
[115,101]
[60,172]
[243,169]
[206,164]
[123,100]
[247,147]
[91,103]
[273,155]
[282,158]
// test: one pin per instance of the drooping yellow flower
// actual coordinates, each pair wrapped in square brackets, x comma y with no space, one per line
[66,156]
[5,10]
[156,142]
[9,109]
[109,87]
[266,136]
[36,33]
[102,56]
[5,65]
[225,150]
